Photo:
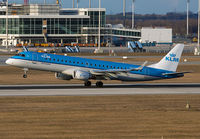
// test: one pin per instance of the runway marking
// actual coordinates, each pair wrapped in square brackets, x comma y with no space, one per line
[80,86]
[79,90]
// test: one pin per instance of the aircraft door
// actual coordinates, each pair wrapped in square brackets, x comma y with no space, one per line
[34,57]
[146,71]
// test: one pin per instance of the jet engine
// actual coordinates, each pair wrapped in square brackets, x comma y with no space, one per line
[81,75]
[62,76]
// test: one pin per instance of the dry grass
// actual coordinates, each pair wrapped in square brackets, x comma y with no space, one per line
[105,117]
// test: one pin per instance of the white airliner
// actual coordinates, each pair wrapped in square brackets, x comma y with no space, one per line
[67,67]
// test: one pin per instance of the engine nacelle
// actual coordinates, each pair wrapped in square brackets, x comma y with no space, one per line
[62,76]
[81,75]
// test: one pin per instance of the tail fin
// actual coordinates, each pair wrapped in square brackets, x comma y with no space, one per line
[171,60]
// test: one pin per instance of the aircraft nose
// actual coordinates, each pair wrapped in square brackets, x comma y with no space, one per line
[9,61]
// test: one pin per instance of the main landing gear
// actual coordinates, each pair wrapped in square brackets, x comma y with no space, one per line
[88,83]
[98,84]
[25,73]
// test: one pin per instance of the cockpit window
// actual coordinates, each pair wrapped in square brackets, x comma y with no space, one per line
[22,55]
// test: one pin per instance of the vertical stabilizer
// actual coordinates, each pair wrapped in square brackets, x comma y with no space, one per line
[171,60]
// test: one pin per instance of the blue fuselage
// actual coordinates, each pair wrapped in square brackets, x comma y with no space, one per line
[58,63]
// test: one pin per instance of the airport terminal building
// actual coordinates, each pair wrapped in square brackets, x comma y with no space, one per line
[48,23]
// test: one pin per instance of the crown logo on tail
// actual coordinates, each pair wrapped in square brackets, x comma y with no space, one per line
[172,55]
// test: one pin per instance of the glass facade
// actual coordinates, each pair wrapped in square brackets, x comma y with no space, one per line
[3,26]
[21,26]
[71,25]
[112,32]
[54,25]
[94,18]
[126,33]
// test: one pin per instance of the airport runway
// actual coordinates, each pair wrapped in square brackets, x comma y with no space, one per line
[109,89]
[3,59]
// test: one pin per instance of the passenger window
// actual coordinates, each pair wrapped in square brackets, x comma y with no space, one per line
[61,60]
[66,61]
[77,62]
[54,59]
[58,60]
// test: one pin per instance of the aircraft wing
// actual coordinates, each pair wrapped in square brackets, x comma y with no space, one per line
[115,71]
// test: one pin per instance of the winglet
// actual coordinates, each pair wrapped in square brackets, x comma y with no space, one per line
[141,67]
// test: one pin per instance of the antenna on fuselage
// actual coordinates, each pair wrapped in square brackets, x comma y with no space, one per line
[25,49]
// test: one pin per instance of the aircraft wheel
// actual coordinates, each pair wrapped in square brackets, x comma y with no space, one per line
[88,83]
[99,84]
[24,76]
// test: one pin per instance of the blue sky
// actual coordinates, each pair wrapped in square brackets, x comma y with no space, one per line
[141,6]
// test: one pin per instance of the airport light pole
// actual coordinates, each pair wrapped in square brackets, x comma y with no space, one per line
[99,43]
[7,24]
[73,5]
[77,3]
[89,3]
[188,2]
[198,25]
[99,50]
[133,14]
[124,12]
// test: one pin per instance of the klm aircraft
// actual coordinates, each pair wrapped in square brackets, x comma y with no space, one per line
[67,67]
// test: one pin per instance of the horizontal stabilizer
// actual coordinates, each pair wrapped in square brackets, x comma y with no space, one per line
[177,74]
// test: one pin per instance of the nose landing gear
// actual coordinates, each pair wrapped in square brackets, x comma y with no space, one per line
[25,72]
